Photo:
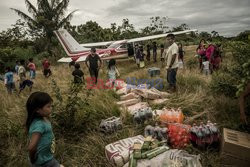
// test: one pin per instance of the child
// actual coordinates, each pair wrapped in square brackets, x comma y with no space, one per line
[141,58]
[112,71]
[41,138]
[23,82]
[46,67]
[205,66]
[32,68]
[78,74]
[17,66]
[8,80]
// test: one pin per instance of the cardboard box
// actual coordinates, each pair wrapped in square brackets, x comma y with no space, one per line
[235,148]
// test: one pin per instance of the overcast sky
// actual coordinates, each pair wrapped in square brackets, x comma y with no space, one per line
[228,17]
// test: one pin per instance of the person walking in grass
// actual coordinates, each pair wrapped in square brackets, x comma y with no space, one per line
[9,81]
[46,67]
[23,82]
[154,51]
[113,71]
[17,66]
[41,145]
[78,74]
[92,64]
[32,68]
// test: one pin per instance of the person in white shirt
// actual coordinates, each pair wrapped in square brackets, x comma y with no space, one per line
[171,58]
[205,66]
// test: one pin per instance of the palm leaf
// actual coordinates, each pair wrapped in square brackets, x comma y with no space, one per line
[60,9]
[66,19]
[24,16]
[31,8]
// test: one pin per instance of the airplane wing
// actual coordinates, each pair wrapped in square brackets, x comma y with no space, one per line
[96,44]
[159,36]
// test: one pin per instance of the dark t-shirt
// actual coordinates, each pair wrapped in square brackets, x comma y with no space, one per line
[78,74]
[93,61]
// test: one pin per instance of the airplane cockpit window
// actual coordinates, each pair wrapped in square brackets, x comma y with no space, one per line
[115,45]
[123,46]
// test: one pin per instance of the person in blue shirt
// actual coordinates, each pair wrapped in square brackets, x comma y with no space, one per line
[9,81]
[41,138]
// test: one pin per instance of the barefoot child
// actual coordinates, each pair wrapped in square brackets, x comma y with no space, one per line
[23,82]
[41,138]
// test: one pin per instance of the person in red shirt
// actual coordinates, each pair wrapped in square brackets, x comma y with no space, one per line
[46,67]
[32,68]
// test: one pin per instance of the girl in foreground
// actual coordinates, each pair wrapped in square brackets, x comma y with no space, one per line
[41,137]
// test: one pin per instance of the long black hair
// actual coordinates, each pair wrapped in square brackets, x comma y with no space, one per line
[111,63]
[36,101]
[199,46]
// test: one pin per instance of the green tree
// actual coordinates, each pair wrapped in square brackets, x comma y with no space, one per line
[49,15]
[91,31]
[181,27]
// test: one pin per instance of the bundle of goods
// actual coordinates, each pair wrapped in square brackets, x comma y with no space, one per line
[143,114]
[118,152]
[129,102]
[156,132]
[129,96]
[169,158]
[180,158]
[205,134]
[147,93]
[133,108]
[110,125]
[148,150]
[171,116]
[179,135]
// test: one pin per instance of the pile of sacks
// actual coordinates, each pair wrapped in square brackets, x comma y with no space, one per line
[132,96]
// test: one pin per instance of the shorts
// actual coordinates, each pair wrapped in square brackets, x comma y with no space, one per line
[32,74]
[25,83]
[46,72]
[10,86]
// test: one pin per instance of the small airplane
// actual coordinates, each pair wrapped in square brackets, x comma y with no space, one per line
[115,50]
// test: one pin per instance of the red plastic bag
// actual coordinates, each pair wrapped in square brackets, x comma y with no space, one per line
[179,135]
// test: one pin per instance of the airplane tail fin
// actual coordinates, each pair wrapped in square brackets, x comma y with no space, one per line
[70,45]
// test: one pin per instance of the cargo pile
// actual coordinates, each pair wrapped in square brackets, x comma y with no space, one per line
[163,142]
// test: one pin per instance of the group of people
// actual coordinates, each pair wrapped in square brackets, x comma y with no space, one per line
[209,56]
[38,105]
[93,63]
[140,55]
[20,71]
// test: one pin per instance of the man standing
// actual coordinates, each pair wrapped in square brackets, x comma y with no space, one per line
[92,64]
[172,61]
